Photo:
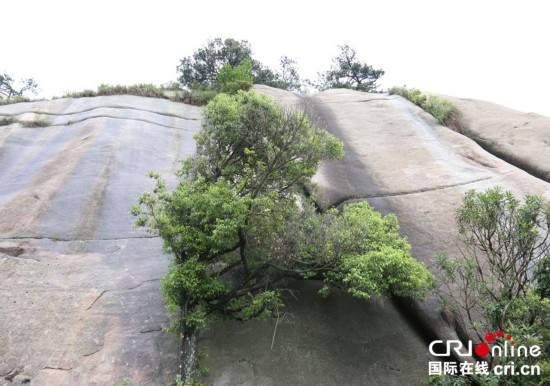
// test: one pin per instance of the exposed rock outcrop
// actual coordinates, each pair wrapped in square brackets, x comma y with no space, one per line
[522,139]
[79,287]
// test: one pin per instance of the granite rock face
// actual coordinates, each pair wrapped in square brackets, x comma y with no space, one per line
[522,139]
[402,161]
[79,287]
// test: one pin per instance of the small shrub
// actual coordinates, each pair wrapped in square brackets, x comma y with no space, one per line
[143,89]
[441,109]
[6,120]
[80,94]
[37,122]
[196,97]
[414,95]
[171,86]
[16,99]
[233,79]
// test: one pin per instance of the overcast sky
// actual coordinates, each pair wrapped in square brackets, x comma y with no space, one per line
[491,50]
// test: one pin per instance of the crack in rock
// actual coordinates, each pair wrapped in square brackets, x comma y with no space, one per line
[150,329]
[118,290]
[57,368]
[114,107]
[96,299]
[139,285]
[96,351]
[406,193]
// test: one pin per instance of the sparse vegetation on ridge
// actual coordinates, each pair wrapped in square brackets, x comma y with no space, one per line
[6,120]
[171,91]
[36,122]
[17,99]
[441,109]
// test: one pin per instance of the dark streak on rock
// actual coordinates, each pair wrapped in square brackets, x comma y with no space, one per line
[12,374]
[140,284]
[96,299]
[395,194]
[57,368]
[150,329]
[96,351]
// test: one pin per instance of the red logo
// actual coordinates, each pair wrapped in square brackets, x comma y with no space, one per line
[482,349]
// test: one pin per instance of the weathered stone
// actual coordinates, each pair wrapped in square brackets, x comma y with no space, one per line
[522,139]
[79,286]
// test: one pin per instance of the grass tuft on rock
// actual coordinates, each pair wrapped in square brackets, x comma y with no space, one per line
[441,109]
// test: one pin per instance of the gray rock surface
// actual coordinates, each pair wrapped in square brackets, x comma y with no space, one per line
[402,161]
[522,139]
[79,287]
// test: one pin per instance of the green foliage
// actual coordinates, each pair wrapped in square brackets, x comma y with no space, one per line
[442,110]
[288,78]
[257,147]
[16,99]
[170,91]
[492,284]
[6,120]
[202,68]
[412,94]
[201,71]
[347,72]
[542,277]
[12,93]
[358,251]
[237,229]
[233,79]
[143,89]
[37,122]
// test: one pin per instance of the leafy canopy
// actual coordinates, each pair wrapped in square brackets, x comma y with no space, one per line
[203,69]
[348,72]
[238,226]
[9,88]
[233,79]
[501,280]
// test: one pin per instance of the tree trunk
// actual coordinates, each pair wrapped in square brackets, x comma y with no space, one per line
[189,354]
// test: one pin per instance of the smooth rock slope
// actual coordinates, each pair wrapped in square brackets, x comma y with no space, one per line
[523,139]
[79,287]
[402,161]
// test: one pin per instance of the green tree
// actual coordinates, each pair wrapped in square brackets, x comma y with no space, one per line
[500,280]
[287,78]
[8,88]
[233,79]
[237,225]
[348,72]
[202,69]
